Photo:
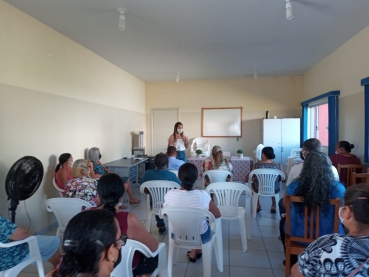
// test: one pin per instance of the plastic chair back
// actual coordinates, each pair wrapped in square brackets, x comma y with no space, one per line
[202,144]
[124,268]
[64,210]
[295,152]
[57,188]
[267,178]
[226,154]
[217,175]
[157,190]
[34,256]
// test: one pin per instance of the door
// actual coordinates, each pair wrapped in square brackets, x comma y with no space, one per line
[272,135]
[162,125]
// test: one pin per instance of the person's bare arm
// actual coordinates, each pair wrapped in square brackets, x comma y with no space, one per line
[137,231]
[186,142]
[92,172]
[295,272]
[19,234]
[62,177]
[282,169]
[214,209]
[170,140]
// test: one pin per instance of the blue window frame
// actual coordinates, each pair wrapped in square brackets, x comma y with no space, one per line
[332,118]
[365,84]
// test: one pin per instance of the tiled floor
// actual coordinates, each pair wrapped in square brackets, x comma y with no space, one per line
[263,258]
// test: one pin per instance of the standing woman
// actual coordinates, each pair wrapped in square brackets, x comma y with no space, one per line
[63,170]
[179,141]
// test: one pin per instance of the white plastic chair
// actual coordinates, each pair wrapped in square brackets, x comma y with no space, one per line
[34,256]
[174,171]
[186,223]
[227,196]
[124,268]
[295,152]
[157,190]
[226,154]
[217,176]
[202,144]
[64,210]
[266,178]
[57,188]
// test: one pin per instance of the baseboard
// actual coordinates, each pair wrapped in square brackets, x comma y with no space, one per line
[47,228]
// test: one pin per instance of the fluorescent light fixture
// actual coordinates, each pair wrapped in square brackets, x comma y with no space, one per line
[289,14]
[177,77]
[122,19]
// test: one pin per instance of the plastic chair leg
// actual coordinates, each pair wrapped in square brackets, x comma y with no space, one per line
[170,257]
[277,201]
[248,226]
[243,230]
[254,204]
[148,222]
[218,245]
[206,259]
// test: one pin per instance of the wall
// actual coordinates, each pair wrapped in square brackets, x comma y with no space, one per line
[342,70]
[280,96]
[55,97]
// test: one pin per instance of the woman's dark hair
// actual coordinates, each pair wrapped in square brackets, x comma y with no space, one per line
[357,197]
[316,178]
[161,161]
[87,236]
[188,174]
[175,131]
[313,144]
[268,152]
[110,189]
[346,145]
[63,158]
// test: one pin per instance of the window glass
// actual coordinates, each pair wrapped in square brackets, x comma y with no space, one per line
[318,123]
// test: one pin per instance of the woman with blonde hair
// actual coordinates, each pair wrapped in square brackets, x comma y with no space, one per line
[81,186]
[98,170]
[217,162]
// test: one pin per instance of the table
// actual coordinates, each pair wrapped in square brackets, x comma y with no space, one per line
[241,166]
[134,168]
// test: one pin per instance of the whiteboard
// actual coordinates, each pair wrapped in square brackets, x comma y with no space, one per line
[221,122]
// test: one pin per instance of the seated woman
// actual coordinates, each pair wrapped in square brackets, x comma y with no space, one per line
[340,255]
[343,156]
[187,196]
[317,185]
[217,162]
[109,191]
[267,156]
[81,186]
[91,246]
[63,169]
[98,170]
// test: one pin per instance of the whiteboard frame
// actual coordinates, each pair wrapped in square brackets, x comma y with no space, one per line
[203,120]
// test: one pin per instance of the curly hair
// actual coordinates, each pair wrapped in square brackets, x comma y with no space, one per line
[315,178]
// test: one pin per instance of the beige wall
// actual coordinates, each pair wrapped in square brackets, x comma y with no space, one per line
[342,70]
[280,96]
[66,102]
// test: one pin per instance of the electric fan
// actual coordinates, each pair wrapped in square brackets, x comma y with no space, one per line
[257,152]
[22,181]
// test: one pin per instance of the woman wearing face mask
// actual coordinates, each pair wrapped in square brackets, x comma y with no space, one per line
[98,170]
[91,245]
[109,191]
[343,156]
[341,255]
[81,186]
[316,185]
[179,141]
[63,169]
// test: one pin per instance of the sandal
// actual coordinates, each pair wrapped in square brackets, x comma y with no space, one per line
[122,207]
[134,202]
[198,255]
[258,209]
[192,260]
[273,210]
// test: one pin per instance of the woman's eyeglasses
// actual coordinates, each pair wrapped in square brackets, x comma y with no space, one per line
[122,240]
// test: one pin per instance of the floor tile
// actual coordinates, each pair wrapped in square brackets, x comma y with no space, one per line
[251,258]
[256,243]
[236,271]
[276,259]
[279,272]
[196,270]
[270,232]
[273,244]
[267,221]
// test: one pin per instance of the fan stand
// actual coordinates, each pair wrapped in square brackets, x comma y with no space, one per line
[13,206]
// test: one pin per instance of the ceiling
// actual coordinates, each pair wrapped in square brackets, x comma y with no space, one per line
[205,39]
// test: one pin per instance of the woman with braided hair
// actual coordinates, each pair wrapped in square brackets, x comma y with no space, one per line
[109,190]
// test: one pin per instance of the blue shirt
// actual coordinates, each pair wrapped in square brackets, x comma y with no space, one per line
[326,221]
[160,174]
[10,257]
[174,163]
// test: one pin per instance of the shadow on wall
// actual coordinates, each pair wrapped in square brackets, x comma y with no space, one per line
[49,190]
[86,154]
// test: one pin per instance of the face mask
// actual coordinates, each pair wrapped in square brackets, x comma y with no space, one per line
[179,131]
[100,156]
[119,258]
[337,152]
[71,164]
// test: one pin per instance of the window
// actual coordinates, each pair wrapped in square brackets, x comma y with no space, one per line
[318,123]
[320,119]
[365,84]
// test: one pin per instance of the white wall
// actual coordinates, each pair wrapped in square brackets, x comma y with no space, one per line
[66,102]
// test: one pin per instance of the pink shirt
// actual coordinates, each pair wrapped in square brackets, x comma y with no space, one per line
[58,182]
